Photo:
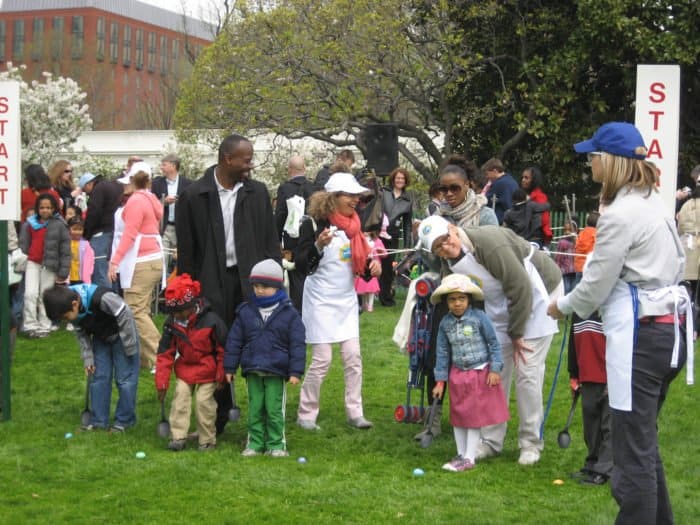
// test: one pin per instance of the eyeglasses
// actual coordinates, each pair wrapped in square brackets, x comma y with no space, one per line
[67,171]
[452,188]
[439,243]
[593,154]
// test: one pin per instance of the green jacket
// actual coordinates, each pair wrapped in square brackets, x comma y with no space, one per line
[502,252]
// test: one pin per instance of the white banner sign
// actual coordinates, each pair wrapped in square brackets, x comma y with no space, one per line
[10,152]
[657,117]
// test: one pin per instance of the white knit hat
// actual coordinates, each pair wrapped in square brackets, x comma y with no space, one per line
[267,272]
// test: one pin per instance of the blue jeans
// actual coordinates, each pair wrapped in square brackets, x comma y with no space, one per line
[110,360]
[102,246]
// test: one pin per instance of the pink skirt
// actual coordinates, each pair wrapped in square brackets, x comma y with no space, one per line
[473,403]
[362,286]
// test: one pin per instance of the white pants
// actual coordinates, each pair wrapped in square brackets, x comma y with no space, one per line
[36,280]
[309,399]
[529,380]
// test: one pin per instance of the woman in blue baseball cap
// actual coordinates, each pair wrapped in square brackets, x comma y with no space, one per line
[633,277]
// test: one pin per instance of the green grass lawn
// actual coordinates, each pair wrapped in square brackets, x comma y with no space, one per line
[351,476]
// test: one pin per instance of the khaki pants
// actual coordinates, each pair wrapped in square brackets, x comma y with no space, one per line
[147,275]
[205,410]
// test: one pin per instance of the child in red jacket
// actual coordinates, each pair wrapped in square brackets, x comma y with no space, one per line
[192,342]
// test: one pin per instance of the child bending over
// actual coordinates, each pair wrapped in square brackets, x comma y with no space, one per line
[109,347]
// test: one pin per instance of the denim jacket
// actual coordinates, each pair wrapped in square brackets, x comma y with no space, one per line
[466,342]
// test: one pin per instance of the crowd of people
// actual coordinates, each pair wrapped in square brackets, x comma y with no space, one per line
[252,286]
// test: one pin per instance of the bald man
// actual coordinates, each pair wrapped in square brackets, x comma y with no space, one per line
[297,184]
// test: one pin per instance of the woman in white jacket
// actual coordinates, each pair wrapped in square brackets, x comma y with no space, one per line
[632,276]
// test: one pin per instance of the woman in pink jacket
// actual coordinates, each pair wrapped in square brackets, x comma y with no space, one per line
[138,258]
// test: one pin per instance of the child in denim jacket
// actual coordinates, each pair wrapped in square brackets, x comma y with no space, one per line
[467,345]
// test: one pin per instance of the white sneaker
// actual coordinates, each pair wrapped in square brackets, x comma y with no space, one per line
[307,424]
[70,327]
[249,453]
[484,451]
[278,453]
[529,456]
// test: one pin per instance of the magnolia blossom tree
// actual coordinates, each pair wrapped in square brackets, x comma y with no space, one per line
[53,114]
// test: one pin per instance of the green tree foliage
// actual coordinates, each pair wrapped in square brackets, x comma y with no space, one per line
[557,70]
[328,69]
[518,79]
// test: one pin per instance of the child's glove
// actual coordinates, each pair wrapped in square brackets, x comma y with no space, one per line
[574,385]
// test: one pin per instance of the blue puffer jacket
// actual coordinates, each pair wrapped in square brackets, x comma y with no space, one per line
[276,346]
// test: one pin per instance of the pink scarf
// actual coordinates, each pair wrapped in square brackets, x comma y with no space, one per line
[359,249]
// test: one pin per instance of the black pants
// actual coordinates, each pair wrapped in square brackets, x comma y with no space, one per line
[386,279]
[596,428]
[233,296]
[638,479]
[296,288]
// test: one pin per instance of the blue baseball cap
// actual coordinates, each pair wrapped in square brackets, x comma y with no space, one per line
[616,138]
[85,179]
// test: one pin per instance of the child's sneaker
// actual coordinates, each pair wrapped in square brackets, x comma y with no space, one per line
[278,453]
[117,428]
[458,464]
[207,447]
[177,445]
[91,427]
[249,453]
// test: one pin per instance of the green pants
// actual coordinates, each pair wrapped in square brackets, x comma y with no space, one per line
[266,403]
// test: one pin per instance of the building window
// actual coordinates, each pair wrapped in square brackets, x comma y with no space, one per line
[175,53]
[151,52]
[126,58]
[3,31]
[113,42]
[37,38]
[77,30]
[138,81]
[57,38]
[100,38]
[18,41]
[163,55]
[139,49]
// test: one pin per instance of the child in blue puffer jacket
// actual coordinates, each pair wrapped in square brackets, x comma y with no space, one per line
[267,340]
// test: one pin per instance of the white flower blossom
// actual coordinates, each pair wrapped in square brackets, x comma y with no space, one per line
[52,114]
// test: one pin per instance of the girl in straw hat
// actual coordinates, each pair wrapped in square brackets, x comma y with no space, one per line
[467,345]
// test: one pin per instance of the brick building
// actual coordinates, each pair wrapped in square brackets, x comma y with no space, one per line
[128,56]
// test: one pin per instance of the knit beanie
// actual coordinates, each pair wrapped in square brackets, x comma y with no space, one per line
[267,272]
[181,293]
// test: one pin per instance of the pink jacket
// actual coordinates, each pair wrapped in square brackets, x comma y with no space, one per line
[141,215]
[87,261]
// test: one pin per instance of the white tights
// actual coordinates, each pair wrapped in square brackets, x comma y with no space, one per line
[467,440]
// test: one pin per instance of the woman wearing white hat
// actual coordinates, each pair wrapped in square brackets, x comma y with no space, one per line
[332,250]
[518,282]
[632,276]
[138,258]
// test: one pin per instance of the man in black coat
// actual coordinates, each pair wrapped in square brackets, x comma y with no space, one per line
[296,185]
[224,227]
[168,188]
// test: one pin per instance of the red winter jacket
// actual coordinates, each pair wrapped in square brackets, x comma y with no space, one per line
[199,348]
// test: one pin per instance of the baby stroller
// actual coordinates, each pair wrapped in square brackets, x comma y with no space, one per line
[418,311]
